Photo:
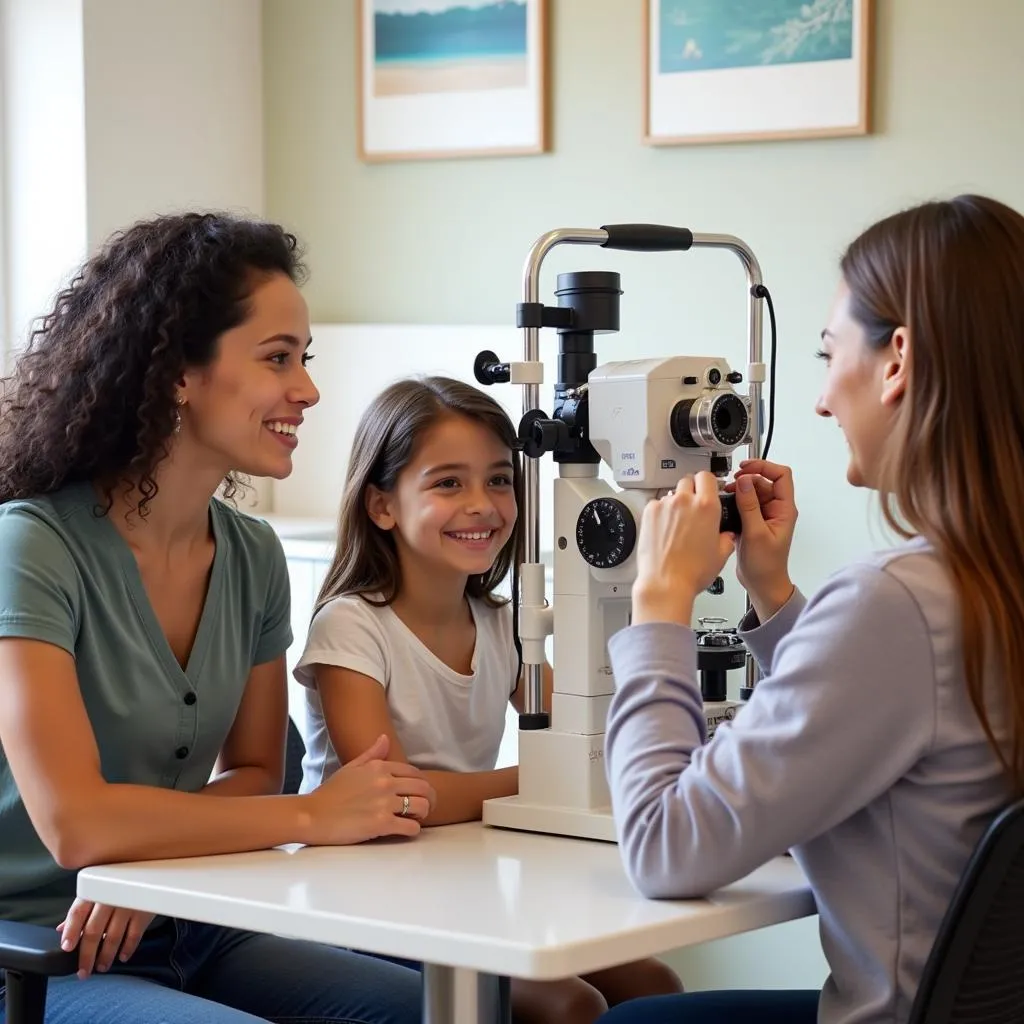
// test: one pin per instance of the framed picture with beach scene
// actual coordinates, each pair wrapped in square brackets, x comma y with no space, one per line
[741,70]
[451,78]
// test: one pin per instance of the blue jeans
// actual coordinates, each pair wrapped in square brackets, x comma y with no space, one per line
[742,1006]
[189,973]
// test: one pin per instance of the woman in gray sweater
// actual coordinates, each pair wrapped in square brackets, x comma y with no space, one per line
[888,728]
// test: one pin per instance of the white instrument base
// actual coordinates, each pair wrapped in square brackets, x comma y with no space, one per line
[517,813]
[532,815]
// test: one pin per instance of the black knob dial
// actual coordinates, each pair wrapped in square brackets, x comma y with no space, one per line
[605,532]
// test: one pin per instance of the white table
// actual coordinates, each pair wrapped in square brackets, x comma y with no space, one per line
[468,901]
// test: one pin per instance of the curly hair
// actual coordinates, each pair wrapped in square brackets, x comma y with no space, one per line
[93,395]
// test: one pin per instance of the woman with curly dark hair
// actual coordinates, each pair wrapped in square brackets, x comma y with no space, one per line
[143,626]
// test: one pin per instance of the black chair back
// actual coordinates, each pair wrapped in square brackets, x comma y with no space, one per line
[975,973]
[295,750]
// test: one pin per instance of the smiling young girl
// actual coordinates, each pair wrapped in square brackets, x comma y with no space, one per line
[410,638]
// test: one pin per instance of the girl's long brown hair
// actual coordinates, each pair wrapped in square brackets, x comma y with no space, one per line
[366,560]
[952,273]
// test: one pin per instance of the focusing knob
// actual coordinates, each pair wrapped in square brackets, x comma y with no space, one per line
[538,434]
[489,369]
[550,434]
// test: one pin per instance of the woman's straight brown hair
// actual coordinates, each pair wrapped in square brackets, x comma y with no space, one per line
[952,274]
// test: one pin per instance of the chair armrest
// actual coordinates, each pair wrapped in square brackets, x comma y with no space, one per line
[34,949]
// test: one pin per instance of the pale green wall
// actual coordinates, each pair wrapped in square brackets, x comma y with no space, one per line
[948,91]
[444,241]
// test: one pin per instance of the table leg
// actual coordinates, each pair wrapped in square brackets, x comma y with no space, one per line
[453,995]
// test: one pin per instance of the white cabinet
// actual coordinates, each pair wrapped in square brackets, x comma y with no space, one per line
[308,547]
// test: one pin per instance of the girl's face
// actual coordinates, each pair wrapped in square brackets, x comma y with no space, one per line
[453,506]
[243,411]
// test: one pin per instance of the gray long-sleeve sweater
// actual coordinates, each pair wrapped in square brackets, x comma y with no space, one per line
[859,752]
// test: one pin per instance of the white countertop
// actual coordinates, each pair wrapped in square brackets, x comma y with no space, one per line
[490,900]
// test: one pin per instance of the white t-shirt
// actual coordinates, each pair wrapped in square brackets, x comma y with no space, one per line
[445,721]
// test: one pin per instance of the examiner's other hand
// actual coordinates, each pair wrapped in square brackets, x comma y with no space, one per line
[679,551]
[764,498]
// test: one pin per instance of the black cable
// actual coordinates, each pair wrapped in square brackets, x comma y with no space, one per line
[760,291]
[515,624]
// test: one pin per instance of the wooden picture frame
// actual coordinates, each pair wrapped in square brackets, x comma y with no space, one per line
[451,78]
[753,70]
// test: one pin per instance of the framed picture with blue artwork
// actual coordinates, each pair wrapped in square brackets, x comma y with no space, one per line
[741,70]
[451,78]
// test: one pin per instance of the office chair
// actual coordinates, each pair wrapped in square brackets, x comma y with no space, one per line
[30,954]
[975,972]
